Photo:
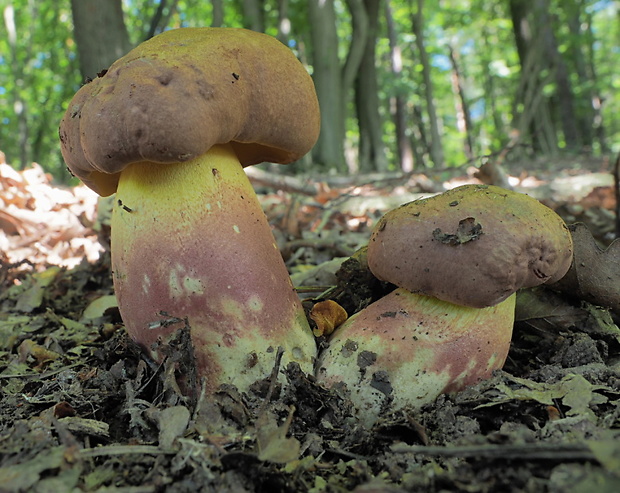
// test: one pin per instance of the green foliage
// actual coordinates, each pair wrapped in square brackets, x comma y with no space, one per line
[39,71]
[38,74]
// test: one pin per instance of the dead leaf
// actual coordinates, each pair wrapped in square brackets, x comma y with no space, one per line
[97,308]
[328,315]
[29,348]
[539,306]
[32,298]
[607,452]
[84,426]
[23,476]
[574,391]
[172,423]
[602,197]
[271,440]
[467,230]
[44,223]
[595,273]
[11,329]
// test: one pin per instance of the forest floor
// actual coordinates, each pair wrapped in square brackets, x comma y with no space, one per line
[82,409]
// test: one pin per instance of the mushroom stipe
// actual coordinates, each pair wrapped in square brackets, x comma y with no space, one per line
[405,349]
[197,246]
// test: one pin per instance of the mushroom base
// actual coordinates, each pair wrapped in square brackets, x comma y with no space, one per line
[406,349]
[190,243]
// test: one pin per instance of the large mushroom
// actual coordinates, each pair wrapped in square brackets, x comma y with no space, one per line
[169,128]
[457,258]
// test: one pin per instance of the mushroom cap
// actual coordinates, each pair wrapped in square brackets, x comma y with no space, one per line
[474,245]
[176,95]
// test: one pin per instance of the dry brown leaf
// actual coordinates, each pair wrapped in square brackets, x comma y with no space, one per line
[29,348]
[328,315]
[540,307]
[44,223]
[595,273]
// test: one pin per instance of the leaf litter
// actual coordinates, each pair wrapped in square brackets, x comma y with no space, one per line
[81,408]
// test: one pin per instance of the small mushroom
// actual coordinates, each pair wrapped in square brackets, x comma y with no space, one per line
[457,258]
[169,128]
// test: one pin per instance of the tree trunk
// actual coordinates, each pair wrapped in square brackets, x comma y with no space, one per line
[371,148]
[421,145]
[19,104]
[436,150]
[498,130]
[398,107]
[521,27]
[161,18]
[564,97]
[462,106]
[253,15]
[100,34]
[284,22]
[534,117]
[327,76]
[359,37]
[584,106]
[217,13]
[597,100]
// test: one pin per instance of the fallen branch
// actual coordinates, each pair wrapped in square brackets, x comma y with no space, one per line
[534,451]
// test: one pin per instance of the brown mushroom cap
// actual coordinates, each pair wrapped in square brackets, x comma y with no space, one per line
[176,95]
[474,245]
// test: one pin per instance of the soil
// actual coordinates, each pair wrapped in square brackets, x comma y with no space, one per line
[82,409]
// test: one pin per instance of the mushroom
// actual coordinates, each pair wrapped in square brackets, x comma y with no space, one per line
[473,245]
[458,259]
[405,349]
[169,128]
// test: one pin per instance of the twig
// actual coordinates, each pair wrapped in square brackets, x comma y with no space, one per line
[339,250]
[112,450]
[289,184]
[312,289]
[43,375]
[273,380]
[346,453]
[540,451]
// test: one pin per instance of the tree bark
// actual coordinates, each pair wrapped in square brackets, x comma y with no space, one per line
[462,106]
[161,18]
[100,34]
[436,149]
[359,37]
[584,106]
[19,104]
[398,107]
[371,154]
[498,131]
[253,15]
[217,13]
[284,22]
[534,117]
[564,97]
[596,98]
[327,76]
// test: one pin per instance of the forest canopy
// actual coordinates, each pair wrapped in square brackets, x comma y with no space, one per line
[403,84]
